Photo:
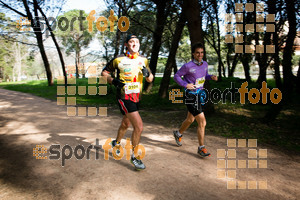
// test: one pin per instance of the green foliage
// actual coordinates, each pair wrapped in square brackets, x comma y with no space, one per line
[108,39]
[211,55]
[13,51]
[35,68]
[184,50]
[75,37]
[296,60]
[142,24]
[7,58]
[141,15]
[5,49]
[161,64]
[170,27]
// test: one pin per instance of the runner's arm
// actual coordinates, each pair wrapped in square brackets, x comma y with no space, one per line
[150,78]
[177,77]
[116,82]
[210,77]
[108,71]
[107,75]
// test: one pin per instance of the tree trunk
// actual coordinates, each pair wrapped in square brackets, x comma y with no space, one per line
[277,61]
[194,21]
[106,54]
[223,68]
[262,59]
[83,69]
[55,43]
[161,17]
[298,77]
[45,59]
[164,85]
[228,62]
[123,47]
[77,62]
[18,63]
[219,69]
[288,76]
[262,71]
[245,58]
[175,68]
[234,64]
[272,8]
[39,38]
[245,61]
[228,58]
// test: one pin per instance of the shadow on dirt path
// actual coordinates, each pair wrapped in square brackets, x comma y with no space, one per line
[171,172]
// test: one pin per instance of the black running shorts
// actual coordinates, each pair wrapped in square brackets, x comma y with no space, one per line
[193,104]
[127,106]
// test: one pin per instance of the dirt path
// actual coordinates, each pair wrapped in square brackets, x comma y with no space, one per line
[172,172]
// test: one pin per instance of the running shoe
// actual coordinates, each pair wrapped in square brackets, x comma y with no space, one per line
[203,152]
[138,164]
[177,138]
[113,144]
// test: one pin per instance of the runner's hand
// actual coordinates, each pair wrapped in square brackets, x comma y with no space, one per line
[145,72]
[118,83]
[215,78]
[190,86]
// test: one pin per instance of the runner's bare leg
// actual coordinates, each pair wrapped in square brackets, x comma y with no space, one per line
[123,128]
[187,122]
[137,123]
[201,128]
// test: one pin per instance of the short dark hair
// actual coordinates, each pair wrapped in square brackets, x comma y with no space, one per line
[130,36]
[197,46]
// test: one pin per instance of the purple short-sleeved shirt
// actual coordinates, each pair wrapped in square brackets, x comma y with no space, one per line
[192,73]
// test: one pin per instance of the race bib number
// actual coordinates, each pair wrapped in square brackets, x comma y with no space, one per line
[200,82]
[132,88]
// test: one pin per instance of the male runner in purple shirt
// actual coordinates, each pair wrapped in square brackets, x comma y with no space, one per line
[194,74]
